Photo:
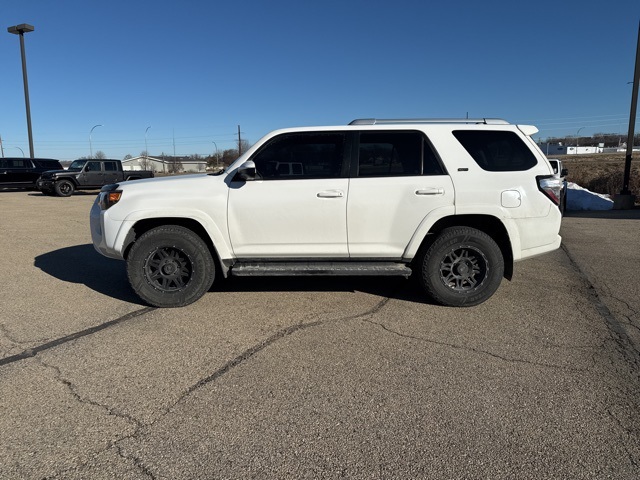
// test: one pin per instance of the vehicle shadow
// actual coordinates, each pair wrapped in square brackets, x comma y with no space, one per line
[81,264]
[397,288]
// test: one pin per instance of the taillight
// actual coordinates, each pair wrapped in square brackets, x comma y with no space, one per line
[551,187]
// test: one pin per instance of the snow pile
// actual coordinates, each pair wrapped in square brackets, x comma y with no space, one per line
[579,198]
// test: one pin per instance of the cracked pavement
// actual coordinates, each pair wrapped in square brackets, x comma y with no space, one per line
[314,378]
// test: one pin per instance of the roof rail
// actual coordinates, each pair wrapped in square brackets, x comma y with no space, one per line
[400,121]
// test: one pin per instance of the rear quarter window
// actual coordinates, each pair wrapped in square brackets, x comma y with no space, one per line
[48,164]
[497,151]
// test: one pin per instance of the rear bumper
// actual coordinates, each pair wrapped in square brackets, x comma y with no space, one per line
[535,251]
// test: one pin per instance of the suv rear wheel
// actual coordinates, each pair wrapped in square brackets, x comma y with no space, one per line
[463,267]
[170,266]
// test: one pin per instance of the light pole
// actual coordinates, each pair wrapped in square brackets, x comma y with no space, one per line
[217,156]
[21,151]
[146,152]
[578,139]
[20,30]
[90,146]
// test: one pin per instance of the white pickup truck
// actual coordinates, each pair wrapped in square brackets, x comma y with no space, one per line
[455,202]
[560,172]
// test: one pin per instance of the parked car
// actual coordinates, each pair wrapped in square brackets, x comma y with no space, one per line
[86,175]
[24,172]
[455,202]
[560,172]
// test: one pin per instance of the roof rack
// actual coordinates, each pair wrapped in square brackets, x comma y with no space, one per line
[400,121]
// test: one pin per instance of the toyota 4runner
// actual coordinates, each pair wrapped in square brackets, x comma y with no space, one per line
[455,202]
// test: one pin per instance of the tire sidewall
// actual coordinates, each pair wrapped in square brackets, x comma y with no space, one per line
[60,190]
[449,240]
[183,239]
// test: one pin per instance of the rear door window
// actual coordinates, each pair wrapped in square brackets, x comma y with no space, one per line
[93,167]
[396,153]
[497,151]
[18,163]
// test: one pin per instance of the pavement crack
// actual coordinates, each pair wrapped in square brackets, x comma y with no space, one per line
[250,352]
[33,351]
[136,424]
[137,462]
[285,332]
[87,401]
[475,350]
[7,334]
[226,368]
[632,434]
[617,330]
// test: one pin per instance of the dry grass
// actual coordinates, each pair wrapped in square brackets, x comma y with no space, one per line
[602,172]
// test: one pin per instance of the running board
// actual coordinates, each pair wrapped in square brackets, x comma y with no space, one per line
[285,269]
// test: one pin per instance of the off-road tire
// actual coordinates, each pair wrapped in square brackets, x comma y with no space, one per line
[170,266]
[463,267]
[64,188]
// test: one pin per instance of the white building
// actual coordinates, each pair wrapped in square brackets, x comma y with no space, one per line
[582,150]
[165,165]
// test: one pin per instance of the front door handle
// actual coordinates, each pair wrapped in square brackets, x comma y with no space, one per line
[430,191]
[331,194]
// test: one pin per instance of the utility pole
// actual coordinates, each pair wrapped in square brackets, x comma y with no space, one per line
[625,200]
[239,142]
[1,147]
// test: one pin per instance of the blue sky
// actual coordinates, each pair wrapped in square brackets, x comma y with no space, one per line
[195,70]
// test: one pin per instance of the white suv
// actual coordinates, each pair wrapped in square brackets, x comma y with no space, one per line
[455,202]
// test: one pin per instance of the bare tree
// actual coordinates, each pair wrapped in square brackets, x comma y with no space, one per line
[175,165]
[145,162]
[100,155]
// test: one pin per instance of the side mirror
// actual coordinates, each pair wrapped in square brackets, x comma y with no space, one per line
[246,172]
[564,172]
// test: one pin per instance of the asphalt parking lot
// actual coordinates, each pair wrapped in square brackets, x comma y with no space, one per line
[315,378]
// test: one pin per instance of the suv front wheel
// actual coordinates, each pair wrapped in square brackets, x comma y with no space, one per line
[170,266]
[463,267]
[63,188]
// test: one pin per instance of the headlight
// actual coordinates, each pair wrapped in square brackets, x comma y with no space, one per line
[109,196]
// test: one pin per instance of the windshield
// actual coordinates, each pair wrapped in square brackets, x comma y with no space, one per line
[77,165]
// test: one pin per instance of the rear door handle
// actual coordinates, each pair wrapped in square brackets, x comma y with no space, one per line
[430,191]
[331,194]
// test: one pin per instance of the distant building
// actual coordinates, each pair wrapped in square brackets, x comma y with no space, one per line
[165,164]
[553,148]
[559,149]
[582,150]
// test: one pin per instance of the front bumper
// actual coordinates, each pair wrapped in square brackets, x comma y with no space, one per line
[42,184]
[101,243]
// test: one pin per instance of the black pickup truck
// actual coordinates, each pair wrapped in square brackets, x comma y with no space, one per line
[24,172]
[86,175]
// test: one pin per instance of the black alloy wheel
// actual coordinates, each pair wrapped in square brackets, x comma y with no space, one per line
[170,266]
[463,267]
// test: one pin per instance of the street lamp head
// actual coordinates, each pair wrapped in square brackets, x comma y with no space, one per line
[20,29]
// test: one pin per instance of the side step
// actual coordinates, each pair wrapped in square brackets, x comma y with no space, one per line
[285,269]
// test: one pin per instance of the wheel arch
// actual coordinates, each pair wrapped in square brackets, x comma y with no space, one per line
[68,178]
[488,224]
[144,225]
